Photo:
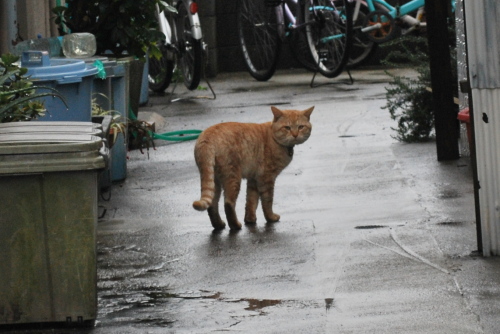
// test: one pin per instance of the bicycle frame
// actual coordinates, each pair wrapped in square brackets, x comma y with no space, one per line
[289,15]
[182,46]
[284,11]
[396,12]
[164,25]
[194,20]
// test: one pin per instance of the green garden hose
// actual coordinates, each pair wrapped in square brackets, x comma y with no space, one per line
[184,135]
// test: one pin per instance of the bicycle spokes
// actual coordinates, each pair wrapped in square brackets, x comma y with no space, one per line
[259,38]
[329,26]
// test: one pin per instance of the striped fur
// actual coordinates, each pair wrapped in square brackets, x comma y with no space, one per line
[226,153]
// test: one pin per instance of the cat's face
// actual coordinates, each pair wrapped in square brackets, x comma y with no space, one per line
[291,127]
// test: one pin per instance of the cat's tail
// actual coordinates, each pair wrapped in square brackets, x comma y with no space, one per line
[206,162]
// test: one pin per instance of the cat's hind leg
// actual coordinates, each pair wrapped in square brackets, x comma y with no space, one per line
[231,186]
[213,209]
[252,202]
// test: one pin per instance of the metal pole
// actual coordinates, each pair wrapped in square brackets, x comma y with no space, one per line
[473,157]
[445,113]
[8,25]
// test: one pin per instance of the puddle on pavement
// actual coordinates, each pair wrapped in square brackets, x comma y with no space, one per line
[369,227]
[449,194]
[159,307]
[259,304]
[359,135]
[329,304]
[129,293]
[451,223]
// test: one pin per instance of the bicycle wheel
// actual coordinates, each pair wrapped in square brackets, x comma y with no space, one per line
[259,37]
[329,34]
[362,47]
[297,40]
[160,71]
[189,57]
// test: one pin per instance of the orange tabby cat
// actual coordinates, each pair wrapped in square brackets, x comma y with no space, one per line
[228,152]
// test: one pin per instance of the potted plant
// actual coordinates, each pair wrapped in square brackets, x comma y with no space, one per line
[122,28]
[140,135]
[18,100]
[112,121]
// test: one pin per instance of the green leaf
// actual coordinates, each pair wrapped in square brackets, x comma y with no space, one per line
[8,75]
[155,52]
[20,101]
[22,90]
[9,59]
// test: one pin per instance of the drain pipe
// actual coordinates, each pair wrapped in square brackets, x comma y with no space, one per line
[8,25]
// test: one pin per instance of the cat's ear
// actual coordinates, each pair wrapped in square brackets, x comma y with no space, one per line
[276,112]
[308,112]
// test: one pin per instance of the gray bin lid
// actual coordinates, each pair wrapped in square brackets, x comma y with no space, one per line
[39,152]
[52,127]
[35,123]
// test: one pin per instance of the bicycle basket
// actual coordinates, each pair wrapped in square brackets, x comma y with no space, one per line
[272,3]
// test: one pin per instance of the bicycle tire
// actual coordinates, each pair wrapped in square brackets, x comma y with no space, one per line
[160,71]
[329,33]
[259,38]
[297,41]
[190,51]
[362,48]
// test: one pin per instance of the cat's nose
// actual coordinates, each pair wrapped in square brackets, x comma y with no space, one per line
[295,134]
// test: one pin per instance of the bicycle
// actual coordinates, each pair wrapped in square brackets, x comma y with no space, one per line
[264,24]
[182,47]
[376,22]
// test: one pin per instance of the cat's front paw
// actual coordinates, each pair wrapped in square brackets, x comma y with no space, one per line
[273,218]
[234,226]
[218,225]
[250,219]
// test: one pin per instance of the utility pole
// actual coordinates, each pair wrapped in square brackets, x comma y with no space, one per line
[445,112]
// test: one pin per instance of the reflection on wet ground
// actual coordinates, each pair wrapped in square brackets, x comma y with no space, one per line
[131,293]
[144,276]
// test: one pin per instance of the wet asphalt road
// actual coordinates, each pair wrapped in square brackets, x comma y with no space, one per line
[375,236]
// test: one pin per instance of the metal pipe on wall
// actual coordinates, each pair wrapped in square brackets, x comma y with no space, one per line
[8,25]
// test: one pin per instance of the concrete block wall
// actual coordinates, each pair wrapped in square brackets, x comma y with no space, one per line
[208,22]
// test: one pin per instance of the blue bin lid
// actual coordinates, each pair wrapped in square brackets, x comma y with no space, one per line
[63,70]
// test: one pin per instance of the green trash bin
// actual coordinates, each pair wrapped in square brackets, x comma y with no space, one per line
[48,221]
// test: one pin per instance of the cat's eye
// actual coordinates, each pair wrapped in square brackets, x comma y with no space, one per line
[301,127]
[288,128]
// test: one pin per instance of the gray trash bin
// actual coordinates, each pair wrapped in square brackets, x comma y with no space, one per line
[48,221]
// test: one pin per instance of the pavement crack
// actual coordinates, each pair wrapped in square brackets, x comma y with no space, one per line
[415,255]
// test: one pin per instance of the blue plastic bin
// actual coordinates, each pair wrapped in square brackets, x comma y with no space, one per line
[111,94]
[72,78]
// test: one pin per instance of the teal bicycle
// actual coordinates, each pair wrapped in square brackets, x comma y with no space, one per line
[376,22]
